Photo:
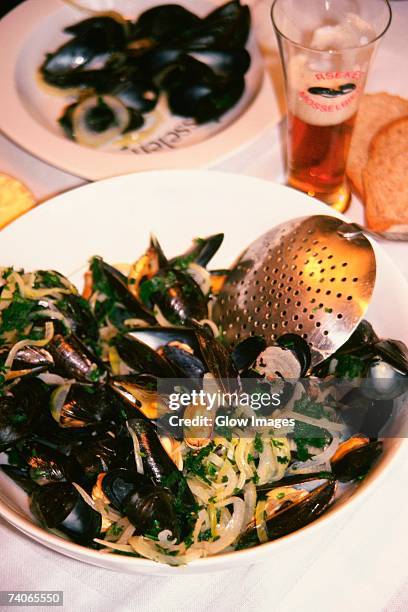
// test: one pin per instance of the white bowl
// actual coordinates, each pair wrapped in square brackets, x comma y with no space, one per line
[113,218]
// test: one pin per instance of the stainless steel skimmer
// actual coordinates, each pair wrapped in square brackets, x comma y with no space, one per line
[313,276]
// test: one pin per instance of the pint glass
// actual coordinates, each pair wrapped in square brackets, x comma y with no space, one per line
[326,47]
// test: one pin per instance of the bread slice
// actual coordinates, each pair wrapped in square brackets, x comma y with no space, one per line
[15,199]
[376,110]
[385,177]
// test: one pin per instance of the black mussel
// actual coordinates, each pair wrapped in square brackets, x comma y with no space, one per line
[141,391]
[201,252]
[30,358]
[361,339]
[114,284]
[227,27]
[139,95]
[74,360]
[382,381]
[354,458]
[77,317]
[228,64]
[159,61]
[394,352]
[206,99]
[176,295]
[157,464]
[294,516]
[184,362]
[21,476]
[299,347]
[156,337]
[101,81]
[73,55]
[218,360]
[111,32]
[247,351]
[161,22]
[76,406]
[60,506]
[97,454]
[120,483]
[47,465]
[294,479]
[18,412]
[365,415]
[141,358]
[152,510]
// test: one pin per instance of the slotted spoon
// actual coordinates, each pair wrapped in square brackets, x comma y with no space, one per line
[313,276]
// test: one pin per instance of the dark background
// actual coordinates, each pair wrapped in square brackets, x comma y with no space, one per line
[7,5]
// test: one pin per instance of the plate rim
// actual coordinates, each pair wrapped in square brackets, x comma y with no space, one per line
[243,557]
[15,120]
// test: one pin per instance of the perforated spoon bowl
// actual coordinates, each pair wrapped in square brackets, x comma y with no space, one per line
[313,276]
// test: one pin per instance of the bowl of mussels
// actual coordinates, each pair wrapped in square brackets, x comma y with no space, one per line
[143,425]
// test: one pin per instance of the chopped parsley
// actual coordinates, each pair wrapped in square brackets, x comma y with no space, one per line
[258,444]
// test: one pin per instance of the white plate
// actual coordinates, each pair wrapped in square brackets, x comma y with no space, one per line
[113,218]
[29,112]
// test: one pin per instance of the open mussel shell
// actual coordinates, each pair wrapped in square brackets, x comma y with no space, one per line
[158,336]
[77,406]
[48,465]
[59,506]
[201,252]
[72,56]
[74,360]
[225,63]
[300,348]
[177,296]
[218,360]
[141,358]
[118,285]
[355,457]
[364,414]
[294,516]
[137,94]
[19,410]
[71,314]
[30,358]
[160,23]
[112,31]
[247,351]
[140,391]
[97,454]
[227,27]
[185,364]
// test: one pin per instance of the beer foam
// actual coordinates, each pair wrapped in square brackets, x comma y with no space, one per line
[352,31]
[326,90]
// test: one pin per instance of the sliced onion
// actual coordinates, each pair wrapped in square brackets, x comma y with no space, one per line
[266,465]
[232,529]
[201,276]
[58,397]
[260,521]
[53,379]
[114,545]
[83,135]
[322,459]
[321,423]
[136,450]
[148,549]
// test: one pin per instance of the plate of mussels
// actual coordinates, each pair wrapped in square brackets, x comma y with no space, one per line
[150,85]
[103,337]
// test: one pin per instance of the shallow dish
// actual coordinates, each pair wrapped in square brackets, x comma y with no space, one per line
[113,218]
[29,110]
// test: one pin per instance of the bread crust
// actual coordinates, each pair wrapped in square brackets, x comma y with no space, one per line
[385,177]
[376,111]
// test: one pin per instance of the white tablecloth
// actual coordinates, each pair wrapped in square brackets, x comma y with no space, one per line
[360,563]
